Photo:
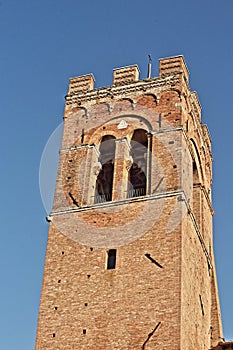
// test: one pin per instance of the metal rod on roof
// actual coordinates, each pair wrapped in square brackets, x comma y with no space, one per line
[149,67]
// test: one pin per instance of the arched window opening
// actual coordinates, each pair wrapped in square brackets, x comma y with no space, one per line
[195,174]
[197,169]
[104,180]
[138,170]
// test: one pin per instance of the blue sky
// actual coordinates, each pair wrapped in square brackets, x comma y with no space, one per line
[43,43]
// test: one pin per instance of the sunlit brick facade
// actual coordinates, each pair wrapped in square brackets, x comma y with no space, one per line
[130,262]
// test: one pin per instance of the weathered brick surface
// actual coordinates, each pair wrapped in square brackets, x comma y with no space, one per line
[167,299]
[125,75]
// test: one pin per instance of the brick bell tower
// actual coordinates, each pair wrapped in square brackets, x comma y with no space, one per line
[130,261]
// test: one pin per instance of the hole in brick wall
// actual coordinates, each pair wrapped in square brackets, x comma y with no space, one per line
[88,276]
[82,136]
[84,331]
[55,308]
[59,281]
[62,253]
[54,335]
[104,127]
[171,142]
[111,263]
[70,160]
[86,304]
[91,249]
[168,99]
[174,166]
[68,177]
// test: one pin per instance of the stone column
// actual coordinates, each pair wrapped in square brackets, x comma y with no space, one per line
[122,164]
[92,169]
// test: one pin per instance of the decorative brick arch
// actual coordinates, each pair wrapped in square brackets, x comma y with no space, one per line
[123,104]
[111,128]
[148,100]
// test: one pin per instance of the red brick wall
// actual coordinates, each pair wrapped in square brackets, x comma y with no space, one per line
[161,300]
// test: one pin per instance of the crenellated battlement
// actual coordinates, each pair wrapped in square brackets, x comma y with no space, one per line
[171,70]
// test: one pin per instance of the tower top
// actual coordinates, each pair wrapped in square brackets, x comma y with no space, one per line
[130,74]
[130,255]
